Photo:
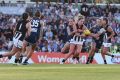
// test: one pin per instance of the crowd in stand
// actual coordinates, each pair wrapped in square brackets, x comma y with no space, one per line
[55,18]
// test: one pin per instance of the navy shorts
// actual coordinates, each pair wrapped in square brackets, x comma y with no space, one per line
[33,38]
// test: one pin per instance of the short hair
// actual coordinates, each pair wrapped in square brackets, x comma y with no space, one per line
[37,14]
[25,16]
[106,20]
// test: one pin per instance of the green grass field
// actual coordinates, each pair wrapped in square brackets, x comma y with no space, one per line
[59,72]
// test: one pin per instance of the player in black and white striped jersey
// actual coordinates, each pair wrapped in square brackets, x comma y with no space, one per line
[77,39]
[99,39]
[23,29]
[109,34]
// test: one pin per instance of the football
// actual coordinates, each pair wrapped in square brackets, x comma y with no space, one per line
[87,32]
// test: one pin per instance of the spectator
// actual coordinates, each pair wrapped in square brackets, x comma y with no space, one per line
[49,34]
[74,10]
[54,20]
[84,9]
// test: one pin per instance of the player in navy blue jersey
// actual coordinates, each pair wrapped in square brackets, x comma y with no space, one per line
[36,34]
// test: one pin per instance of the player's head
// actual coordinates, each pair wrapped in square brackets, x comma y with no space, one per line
[99,22]
[42,17]
[70,21]
[81,20]
[25,16]
[104,21]
[37,14]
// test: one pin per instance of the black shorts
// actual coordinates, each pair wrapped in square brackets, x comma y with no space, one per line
[98,44]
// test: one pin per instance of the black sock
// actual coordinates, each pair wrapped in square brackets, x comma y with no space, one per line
[88,60]
[112,56]
[16,60]
[105,62]
[77,58]
[9,57]
[1,56]
[63,60]
[20,59]
[91,59]
[73,57]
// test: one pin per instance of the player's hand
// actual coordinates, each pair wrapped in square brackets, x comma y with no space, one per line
[83,35]
[96,36]
[79,30]
[77,34]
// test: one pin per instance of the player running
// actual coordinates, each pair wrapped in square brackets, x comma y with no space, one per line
[36,34]
[98,33]
[109,34]
[77,38]
[66,47]
[97,40]
[22,31]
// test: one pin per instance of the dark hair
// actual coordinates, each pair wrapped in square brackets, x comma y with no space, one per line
[37,14]
[31,13]
[106,20]
[25,16]
[42,17]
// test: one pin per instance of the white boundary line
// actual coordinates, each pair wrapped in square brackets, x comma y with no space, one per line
[57,67]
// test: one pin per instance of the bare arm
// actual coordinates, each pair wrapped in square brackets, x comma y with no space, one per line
[73,32]
[74,29]
[112,32]
[85,28]
[68,31]
[14,30]
[101,31]
[41,32]
[28,26]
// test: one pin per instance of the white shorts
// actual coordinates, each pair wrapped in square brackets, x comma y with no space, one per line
[107,44]
[17,43]
[75,40]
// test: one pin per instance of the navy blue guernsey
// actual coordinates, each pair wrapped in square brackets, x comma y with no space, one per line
[35,30]
[21,30]
[35,26]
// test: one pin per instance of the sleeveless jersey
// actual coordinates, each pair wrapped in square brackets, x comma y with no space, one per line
[98,41]
[79,27]
[21,30]
[69,37]
[35,26]
[95,30]
[107,34]
[35,31]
